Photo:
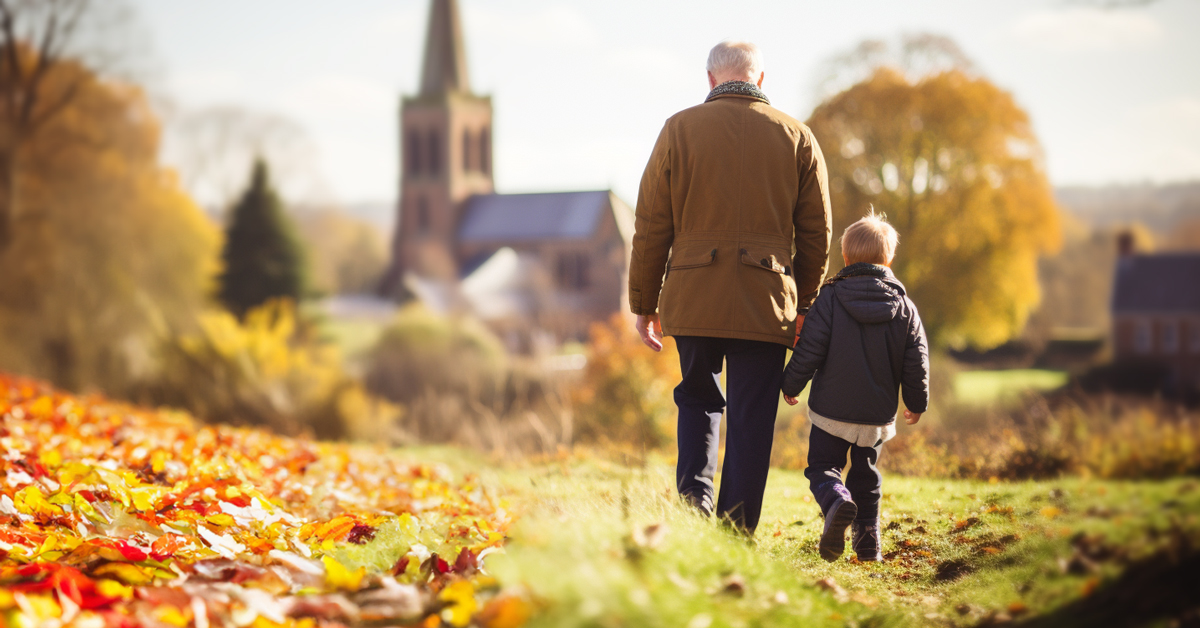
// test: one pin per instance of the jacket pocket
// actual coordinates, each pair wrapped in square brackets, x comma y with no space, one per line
[766,259]
[693,255]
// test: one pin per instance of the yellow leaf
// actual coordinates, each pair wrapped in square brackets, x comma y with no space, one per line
[126,572]
[84,506]
[158,460]
[145,497]
[171,615]
[460,598]
[112,588]
[337,576]
[221,519]
[51,458]
[1051,512]
[30,500]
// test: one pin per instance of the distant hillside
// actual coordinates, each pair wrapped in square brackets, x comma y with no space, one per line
[1159,207]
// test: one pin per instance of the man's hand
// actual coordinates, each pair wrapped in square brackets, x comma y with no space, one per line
[650,330]
[911,417]
[791,401]
[799,325]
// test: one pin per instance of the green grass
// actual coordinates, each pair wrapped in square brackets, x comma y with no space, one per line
[576,551]
[986,387]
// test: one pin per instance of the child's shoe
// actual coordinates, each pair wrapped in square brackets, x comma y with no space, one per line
[864,538]
[833,539]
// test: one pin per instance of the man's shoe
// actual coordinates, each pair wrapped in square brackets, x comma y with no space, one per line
[864,539]
[833,539]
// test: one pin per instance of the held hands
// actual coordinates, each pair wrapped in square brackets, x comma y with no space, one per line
[650,330]
[791,401]
[911,417]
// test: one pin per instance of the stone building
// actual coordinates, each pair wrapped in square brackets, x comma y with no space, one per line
[532,265]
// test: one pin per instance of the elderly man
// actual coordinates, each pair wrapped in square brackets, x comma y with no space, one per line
[731,245]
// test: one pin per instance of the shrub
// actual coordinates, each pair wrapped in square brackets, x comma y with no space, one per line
[267,370]
[458,386]
[625,394]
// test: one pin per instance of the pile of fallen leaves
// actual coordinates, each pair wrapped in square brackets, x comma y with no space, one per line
[117,516]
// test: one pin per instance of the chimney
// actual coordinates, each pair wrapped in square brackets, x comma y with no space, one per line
[1125,243]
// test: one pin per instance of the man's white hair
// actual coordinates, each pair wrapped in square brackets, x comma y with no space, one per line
[735,59]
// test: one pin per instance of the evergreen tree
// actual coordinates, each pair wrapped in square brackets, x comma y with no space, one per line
[263,257]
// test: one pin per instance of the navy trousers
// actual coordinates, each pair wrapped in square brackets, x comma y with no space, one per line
[827,459]
[754,379]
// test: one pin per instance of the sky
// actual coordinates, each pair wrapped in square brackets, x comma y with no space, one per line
[582,87]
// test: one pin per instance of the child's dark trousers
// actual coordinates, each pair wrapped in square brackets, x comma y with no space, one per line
[827,459]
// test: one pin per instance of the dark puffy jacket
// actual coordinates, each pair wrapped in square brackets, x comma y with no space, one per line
[861,342]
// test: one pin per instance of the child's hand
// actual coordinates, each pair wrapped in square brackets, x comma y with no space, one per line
[791,401]
[911,417]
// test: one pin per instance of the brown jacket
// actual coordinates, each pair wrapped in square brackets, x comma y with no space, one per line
[736,195]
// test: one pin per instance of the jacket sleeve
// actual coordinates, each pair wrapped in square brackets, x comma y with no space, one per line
[654,229]
[812,220]
[809,354]
[914,380]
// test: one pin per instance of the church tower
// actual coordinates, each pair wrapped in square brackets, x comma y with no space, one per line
[445,155]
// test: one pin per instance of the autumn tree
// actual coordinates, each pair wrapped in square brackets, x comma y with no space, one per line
[111,255]
[38,38]
[263,256]
[954,163]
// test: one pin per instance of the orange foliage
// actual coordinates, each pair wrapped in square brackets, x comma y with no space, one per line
[625,395]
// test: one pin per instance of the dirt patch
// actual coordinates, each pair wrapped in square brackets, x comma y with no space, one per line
[952,570]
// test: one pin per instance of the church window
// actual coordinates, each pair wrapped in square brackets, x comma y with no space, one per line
[466,151]
[435,153]
[422,215]
[485,154]
[414,152]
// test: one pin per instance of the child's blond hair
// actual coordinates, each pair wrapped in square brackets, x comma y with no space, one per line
[871,239]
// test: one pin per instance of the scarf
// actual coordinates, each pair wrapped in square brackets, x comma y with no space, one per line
[861,269]
[739,88]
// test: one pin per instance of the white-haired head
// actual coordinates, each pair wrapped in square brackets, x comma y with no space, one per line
[733,60]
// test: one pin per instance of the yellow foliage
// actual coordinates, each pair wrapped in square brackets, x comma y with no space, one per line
[269,369]
[110,253]
[954,163]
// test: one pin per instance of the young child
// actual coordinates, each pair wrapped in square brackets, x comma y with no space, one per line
[860,343]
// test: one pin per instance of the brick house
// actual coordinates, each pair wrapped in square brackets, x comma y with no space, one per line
[1156,313]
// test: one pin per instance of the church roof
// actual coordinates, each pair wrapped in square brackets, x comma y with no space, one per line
[445,68]
[1161,283]
[531,217]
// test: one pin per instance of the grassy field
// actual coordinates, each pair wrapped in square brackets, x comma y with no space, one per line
[985,387]
[601,544]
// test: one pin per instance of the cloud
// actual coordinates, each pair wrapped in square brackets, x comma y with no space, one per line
[1080,29]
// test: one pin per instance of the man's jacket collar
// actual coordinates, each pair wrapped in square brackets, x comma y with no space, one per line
[737,88]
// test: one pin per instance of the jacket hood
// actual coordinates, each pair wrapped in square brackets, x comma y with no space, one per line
[870,299]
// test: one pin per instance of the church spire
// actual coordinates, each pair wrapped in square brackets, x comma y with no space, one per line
[445,68]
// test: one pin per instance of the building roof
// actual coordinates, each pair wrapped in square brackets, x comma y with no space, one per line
[1168,282]
[532,217]
[445,67]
